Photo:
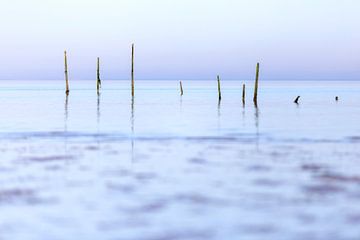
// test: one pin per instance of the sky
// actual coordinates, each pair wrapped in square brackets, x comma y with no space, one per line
[181,39]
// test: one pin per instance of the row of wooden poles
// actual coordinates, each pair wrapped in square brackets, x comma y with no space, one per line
[98,80]
[243,87]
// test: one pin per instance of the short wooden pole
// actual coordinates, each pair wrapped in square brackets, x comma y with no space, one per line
[256,83]
[66,75]
[219,88]
[181,89]
[243,94]
[297,100]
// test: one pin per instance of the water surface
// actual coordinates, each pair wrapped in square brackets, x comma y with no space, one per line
[161,166]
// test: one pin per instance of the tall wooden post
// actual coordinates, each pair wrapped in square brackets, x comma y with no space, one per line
[98,81]
[66,75]
[132,71]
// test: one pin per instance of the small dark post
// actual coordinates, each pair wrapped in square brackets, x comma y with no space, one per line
[66,75]
[219,89]
[297,100]
[243,94]
[336,98]
[132,71]
[98,81]
[256,84]
[181,89]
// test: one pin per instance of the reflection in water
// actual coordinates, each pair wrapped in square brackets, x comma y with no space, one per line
[243,110]
[181,103]
[98,111]
[98,115]
[219,115]
[256,120]
[132,115]
[66,112]
[243,116]
[66,115]
[219,108]
[132,120]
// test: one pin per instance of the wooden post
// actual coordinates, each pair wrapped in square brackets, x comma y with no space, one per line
[66,75]
[297,100]
[219,89]
[132,71]
[181,89]
[243,94]
[256,83]
[98,81]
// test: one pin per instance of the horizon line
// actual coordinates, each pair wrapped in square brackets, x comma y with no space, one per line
[182,79]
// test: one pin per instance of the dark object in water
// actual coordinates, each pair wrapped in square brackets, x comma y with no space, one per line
[181,89]
[243,94]
[219,89]
[297,100]
[98,82]
[256,84]
[336,98]
[132,71]
[66,75]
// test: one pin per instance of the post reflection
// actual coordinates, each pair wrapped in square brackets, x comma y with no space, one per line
[132,122]
[98,116]
[66,116]
[66,112]
[243,106]
[181,104]
[219,115]
[98,111]
[256,120]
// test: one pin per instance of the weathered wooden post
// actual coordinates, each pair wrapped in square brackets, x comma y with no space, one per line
[219,88]
[66,75]
[98,81]
[297,100]
[181,89]
[256,84]
[243,94]
[132,71]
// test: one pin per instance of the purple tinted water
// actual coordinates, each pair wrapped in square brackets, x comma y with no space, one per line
[170,167]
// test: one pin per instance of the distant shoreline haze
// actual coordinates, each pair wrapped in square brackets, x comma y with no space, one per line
[181,40]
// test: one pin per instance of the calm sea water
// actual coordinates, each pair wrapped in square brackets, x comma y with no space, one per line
[161,166]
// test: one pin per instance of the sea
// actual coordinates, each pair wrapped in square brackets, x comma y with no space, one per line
[161,166]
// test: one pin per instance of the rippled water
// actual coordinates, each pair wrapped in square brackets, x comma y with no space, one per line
[163,166]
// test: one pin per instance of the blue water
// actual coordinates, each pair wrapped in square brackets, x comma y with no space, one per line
[162,166]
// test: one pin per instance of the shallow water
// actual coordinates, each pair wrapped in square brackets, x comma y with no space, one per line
[163,166]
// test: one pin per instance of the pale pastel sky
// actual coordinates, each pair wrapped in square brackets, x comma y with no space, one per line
[181,39]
